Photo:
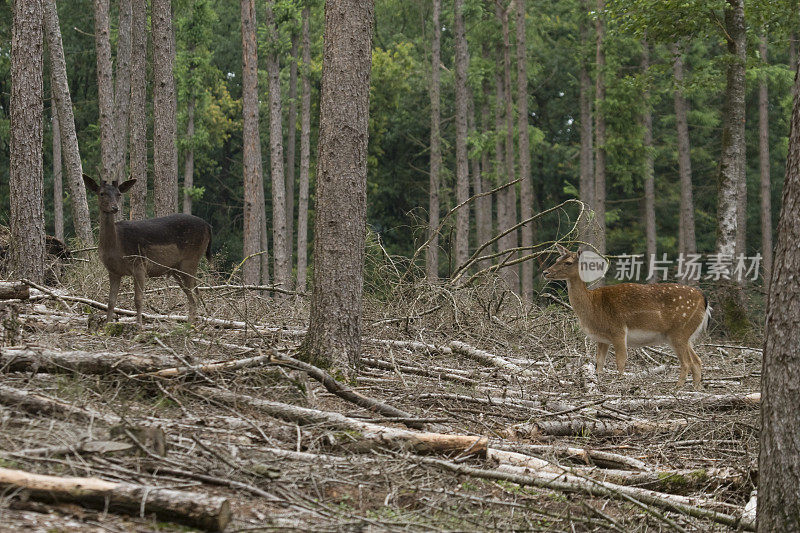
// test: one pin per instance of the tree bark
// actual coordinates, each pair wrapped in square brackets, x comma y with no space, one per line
[58,190]
[165,122]
[66,123]
[462,163]
[509,194]
[211,513]
[334,331]
[26,181]
[305,158]
[763,156]
[291,150]
[600,130]
[122,90]
[138,110]
[586,183]
[482,214]
[484,204]
[525,187]
[432,252]
[649,162]
[188,163]
[686,233]
[251,153]
[280,248]
[105,88]
[732,161]
[264,241]
[779,458]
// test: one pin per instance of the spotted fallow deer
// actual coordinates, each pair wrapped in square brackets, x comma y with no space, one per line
[170,245]
[631,315]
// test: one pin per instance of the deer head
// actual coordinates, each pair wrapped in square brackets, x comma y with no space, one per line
[109,195]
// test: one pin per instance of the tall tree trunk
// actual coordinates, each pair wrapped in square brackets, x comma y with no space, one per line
[291,144]
[280,248]
[526,187]
[586,183]
[779,457]
[510,193]
[305,157]
[26,181]
[462,163]
[188,163]
[105,88]
[485,203]
[165,122]
[334,331]
[732,162]
[506,214]
[264,242]
[122,90]
[600,130]
[649,162]
[763,155]
[432,253]
[66,123]
[58,190]
[686,234]
[251,147]
[482,224]
[138,110]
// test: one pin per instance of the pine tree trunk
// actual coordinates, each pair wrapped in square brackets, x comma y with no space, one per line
[291,149]
[305,158]
[779,458]
[763,155]
[586,183]
[251,147]
[66,123]
[188,163]
[462,163]
[509,195]
[105,88]
[138,110]
[600,131]
[485,203]
[58,190]
[334,332]
[122,90]
[432,253]
[526,187]
[280,248]
[165,125]
[26,180]
[264,242]
[481,224]
[686,233]
[649,162]
[732,162]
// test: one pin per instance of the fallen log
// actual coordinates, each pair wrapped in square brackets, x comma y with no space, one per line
[361,436]
[575,484]
[587,455]
[211,513]
[40,404]
[596,428]
[705,401]
[46,360]
[12,290]
[488,358]
[406,369]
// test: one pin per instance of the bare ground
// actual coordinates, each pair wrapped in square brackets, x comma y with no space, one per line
[337,485]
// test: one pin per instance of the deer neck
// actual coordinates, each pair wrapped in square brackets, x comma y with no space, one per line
[108,241]
[580,298]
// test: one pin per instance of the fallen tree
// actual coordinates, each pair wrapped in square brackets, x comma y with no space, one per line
[211,513]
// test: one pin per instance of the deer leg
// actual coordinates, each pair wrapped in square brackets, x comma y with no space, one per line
[684,358]
[139,276]
[113,290]
[600,357]
[696,372]
[621,353]
[187,284]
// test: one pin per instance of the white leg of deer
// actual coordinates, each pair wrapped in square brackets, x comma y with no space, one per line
[139,276]
[113,289]
[600,358]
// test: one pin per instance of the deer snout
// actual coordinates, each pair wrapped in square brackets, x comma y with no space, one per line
[115,209]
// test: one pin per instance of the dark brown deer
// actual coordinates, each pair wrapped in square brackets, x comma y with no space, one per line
[170,245]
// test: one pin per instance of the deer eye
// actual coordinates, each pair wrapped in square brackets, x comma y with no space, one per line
[569,262]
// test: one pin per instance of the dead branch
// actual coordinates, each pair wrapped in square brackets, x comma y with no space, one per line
[40,404]
[11,290]
[40,359]
[488,358]
[596,428]
[211,513]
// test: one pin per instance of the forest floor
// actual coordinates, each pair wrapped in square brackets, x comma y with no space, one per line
[543,445]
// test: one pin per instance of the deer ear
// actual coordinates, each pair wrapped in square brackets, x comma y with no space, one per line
[126,185]
[90,184]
